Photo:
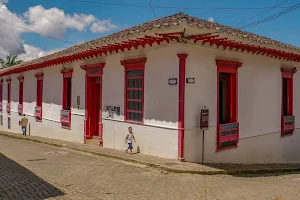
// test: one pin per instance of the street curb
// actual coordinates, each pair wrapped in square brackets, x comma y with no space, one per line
[161,167]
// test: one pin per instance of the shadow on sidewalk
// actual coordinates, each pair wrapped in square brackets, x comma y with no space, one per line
[17,182]
[257,170]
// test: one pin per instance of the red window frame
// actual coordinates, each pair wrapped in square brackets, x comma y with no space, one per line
[228,132]
[134,65]
[21,94]
[1,95]
[39,96]
[287,110]
[65,117]
[8,95]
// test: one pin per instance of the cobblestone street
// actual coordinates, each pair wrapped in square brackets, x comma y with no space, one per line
[31,170]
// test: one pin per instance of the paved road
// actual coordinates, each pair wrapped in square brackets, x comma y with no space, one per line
[30,170]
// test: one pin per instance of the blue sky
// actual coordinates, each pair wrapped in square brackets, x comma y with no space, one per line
[285,28]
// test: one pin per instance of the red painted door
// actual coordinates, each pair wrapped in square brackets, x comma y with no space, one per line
[97,108]
[94,107]
[100,125]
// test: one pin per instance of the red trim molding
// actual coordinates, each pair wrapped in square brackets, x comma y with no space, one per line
[287,105]
[131,65]
[20,78]
[65,114]
[94,70]
[21,94]
[1,95]
[67,73]
[39,97]
[181,98]
[232,125]
[134,64]
[39,76]
[8,95]
[226,66]
[135,61]
[91,66]
[288,72]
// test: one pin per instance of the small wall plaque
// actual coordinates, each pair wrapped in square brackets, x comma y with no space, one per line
[172,81]
[190,80]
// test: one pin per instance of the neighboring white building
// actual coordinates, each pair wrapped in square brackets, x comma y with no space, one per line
[156,77]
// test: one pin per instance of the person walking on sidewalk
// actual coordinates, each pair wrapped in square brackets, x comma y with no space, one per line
[24,123]
[128,139]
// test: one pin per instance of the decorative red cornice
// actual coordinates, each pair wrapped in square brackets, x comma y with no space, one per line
[229,63]
[66,71]
[39,75]
[288,72]
[182,56]
[133,62]
[92,66]
[227,66]
[20,78]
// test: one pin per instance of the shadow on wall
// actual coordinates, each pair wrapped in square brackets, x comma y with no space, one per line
[18,182]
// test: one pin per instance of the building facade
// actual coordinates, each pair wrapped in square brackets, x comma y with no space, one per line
[157,81]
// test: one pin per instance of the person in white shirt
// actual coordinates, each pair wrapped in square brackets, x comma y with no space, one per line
[128,140]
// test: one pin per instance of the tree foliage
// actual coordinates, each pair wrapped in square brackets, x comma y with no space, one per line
[11,60]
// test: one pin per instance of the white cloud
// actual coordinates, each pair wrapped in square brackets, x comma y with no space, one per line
[3,1]
[32,52]
[102,26]
[10,41]
[48,22]
[211,19]
[54,22]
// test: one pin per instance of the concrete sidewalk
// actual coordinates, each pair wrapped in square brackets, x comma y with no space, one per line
[164,164]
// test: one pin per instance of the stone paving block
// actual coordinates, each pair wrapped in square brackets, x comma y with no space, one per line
[38,170]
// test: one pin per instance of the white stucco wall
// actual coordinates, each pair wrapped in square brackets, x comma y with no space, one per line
[259,105]
[259,109]
[50,126]
[159,135]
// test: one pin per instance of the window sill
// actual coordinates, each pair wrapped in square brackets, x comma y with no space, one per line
[66,127]
[227,148]
[287,135]
[134,122]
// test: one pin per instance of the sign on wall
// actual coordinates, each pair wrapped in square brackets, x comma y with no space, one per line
[204,116]
[113,110]
[172,81]
[38,113]
[65,118]
[190,80]
[20,109]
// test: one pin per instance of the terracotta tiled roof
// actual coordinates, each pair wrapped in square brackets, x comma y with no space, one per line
[169,21]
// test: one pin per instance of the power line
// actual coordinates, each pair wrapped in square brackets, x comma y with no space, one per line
[173,7]
[260,13]
[152,9]
[21,27]
[290,9]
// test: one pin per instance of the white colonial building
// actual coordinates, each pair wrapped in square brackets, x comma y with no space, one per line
[156,77]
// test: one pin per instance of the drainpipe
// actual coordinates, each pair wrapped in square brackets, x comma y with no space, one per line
[181,91]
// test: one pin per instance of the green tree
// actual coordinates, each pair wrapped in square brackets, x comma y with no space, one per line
[10,61]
